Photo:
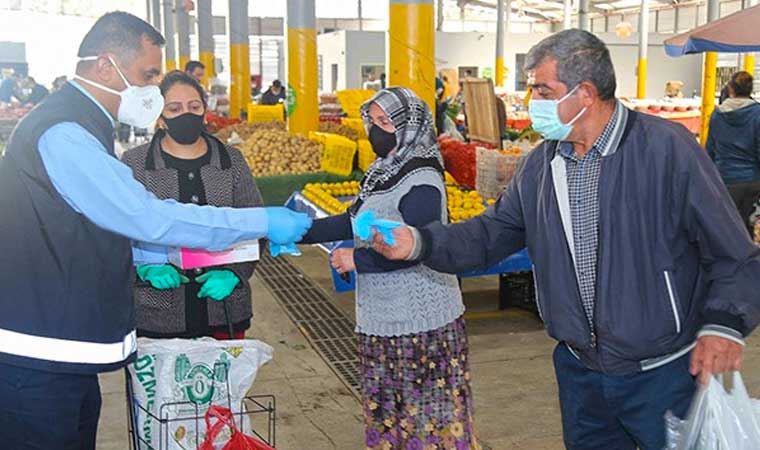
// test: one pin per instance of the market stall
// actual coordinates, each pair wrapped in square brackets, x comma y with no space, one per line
[282,162]
[686,111]
[735,33]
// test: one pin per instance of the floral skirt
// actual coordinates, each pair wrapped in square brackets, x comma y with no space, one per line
[416,390]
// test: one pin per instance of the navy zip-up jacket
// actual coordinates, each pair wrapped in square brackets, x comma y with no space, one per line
[674,257]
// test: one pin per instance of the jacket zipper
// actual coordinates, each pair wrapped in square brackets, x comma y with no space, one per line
[673,304]
[595,309]
[598,260]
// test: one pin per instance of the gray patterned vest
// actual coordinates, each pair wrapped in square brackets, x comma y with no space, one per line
[411,300]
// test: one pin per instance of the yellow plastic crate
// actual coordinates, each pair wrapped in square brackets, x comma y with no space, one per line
[265,113]
[366,155]
[337,154]
[356,125]
[352,99]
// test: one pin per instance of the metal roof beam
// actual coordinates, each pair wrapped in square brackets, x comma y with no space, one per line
[533,13]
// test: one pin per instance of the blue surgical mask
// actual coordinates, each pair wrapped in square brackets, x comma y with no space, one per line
[544,115]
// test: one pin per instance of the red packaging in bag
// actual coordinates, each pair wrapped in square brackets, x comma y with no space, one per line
[222,417]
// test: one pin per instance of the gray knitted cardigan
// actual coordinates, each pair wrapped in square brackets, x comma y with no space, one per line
[228,181]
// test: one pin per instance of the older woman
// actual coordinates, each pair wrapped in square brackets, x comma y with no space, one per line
[412,341]
[186,164]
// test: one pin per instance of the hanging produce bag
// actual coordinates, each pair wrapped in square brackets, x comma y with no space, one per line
[266,113]
[218,420]
[338,153]
[718,419]
[351,100]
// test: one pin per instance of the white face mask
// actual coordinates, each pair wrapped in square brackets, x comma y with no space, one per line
[140,106]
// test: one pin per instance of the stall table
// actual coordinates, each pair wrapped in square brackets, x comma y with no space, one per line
[276,190]
[692,120]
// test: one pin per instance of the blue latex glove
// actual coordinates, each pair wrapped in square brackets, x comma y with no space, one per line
[162,277]
[366,222]
[286,249]
[286,226]
[217,284]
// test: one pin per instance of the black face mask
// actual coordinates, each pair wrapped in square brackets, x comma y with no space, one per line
[382,141]
[185,128]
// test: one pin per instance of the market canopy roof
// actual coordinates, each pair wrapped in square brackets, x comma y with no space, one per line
[739,32]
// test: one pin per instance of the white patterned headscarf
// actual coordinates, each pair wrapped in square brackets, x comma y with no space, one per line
[415,138]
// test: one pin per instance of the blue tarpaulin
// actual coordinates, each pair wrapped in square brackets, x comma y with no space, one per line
[736,33]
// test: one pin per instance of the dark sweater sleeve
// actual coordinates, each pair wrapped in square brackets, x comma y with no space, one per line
[329,229]
[420,207]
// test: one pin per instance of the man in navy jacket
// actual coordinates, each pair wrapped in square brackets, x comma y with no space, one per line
[644,272]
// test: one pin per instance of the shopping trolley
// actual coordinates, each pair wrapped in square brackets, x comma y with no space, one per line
[260,410]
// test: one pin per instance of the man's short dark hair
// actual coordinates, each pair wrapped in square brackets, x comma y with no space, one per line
[276,83]
[192,65]
[742,84]
[120,33]
[580,57]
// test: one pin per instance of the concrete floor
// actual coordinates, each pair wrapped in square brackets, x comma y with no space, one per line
[513,379]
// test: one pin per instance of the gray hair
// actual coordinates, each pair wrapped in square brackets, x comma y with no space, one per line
[580,57]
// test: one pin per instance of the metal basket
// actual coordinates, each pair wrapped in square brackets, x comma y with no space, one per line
[254,406]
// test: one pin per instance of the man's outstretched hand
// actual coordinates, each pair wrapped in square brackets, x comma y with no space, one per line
[403,248]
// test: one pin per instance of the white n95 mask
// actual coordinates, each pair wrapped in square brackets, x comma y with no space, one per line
[140,106]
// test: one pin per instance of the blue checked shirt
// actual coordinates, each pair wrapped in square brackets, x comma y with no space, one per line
[583,191]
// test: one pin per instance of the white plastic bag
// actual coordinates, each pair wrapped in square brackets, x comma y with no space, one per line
[181,378]
[718,420]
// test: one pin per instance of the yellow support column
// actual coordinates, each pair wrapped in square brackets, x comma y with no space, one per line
[749,58]
[206,40]
[641,79]
[709,77]
[170,61]
[708,93]
[302,101]
[641,71]
[411,47]
[749,63]
[499,72]
[240,64]
[183,33]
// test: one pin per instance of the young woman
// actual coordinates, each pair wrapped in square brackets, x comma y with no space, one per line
[412,341]
[185,163]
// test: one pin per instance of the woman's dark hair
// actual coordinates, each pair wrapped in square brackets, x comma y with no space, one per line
[741,84]
[179,77]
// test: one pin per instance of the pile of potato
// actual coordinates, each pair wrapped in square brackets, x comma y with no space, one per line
[245,130]
[277,152]
[336,128]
